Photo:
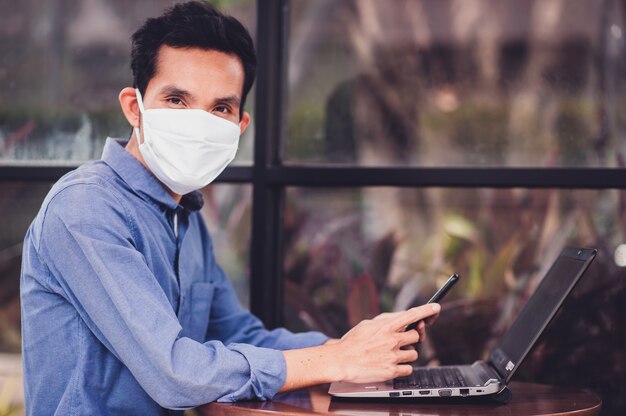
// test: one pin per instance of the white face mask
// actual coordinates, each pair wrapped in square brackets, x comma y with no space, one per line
[186,148]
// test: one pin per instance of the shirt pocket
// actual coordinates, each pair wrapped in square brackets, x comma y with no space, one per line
[200,300]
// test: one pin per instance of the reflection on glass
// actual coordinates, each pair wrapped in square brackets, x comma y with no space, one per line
[64,65]
[456,83]
[352,253]
[227,213]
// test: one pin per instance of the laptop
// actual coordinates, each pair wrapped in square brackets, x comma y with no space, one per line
[484,378]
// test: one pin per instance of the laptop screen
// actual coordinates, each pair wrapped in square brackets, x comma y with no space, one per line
[540,309]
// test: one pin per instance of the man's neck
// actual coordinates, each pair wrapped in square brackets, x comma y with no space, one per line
[132,147]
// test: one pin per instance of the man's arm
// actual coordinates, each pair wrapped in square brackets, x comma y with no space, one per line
[371,351]
[94,264]
[232,323]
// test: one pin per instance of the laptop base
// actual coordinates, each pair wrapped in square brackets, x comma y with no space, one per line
[504,396]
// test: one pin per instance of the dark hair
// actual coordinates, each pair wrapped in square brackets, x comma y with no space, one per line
[192,24]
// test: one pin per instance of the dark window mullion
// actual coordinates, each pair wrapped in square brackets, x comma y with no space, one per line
[580,178]
[33,173]
[267,198]
[233,174]
[331,176]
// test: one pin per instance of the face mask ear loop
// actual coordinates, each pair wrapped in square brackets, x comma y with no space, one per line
[141,112]
[139,101]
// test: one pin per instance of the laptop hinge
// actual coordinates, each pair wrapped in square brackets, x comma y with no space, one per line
[496,371]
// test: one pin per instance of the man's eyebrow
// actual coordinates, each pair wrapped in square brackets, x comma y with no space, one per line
[172,90]
[230,99]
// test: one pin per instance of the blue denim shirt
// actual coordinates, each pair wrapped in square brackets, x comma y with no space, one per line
[124,308]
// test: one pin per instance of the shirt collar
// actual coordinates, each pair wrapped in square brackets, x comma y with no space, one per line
[143,182]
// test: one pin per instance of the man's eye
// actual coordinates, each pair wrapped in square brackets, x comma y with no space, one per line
[222,109]
[174,100]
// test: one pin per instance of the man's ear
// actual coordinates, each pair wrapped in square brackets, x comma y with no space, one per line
[130,108]
[243,124]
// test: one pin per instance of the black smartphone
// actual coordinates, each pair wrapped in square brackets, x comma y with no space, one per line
[443,290]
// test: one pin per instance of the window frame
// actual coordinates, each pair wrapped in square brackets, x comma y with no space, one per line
[270,177]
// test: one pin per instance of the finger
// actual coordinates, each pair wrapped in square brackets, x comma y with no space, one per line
[412,326]
[414,314]
[407,356]
[387,315]
[404,370]
[408,338]
[421,330]
[431,319]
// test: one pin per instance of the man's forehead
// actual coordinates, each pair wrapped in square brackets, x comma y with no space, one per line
[196,70]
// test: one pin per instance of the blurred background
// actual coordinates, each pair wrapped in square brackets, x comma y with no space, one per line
[413,83]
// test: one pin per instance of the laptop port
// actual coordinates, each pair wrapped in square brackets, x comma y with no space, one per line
[445,392]
[424,392]
[394,394]
[464,392]
[406,393]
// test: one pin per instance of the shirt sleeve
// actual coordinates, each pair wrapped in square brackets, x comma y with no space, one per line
[91,253]
[232,323]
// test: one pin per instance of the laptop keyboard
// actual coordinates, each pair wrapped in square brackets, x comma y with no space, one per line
[430,378]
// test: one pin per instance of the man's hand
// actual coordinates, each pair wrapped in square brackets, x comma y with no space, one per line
[371,351]
[421,326]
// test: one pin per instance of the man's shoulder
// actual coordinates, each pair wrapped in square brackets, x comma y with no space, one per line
[91,190]
[86,195]
[94,172]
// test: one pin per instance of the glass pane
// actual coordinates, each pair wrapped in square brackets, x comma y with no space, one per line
[227,212]
[353,253]
[456,83]
[65,65]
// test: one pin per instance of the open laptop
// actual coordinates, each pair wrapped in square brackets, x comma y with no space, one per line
[491,377]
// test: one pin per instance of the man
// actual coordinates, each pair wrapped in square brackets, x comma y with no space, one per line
[125,310]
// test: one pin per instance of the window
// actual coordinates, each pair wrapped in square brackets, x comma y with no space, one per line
[394,142]
[452,83]
[417,138]
[68,62]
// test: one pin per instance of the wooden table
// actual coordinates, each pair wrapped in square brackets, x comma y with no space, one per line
[528,399]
